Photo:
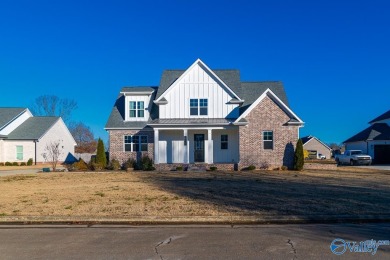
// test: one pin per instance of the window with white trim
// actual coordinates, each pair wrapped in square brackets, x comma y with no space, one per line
[268,140]
[19,152]
[136,109]
[198,107]
[128,143]
[224,142]
[136,143]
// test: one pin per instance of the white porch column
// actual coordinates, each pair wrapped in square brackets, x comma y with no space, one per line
[210,158]
[186,147]
[156,146]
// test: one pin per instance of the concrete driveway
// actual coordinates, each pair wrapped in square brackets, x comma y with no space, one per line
[18,171]
[30,170]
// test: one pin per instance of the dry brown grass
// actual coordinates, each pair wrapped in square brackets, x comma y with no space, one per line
[196,194]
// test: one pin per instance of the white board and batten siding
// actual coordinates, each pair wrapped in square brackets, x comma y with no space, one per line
[230,155]
[173,150]
[198,84]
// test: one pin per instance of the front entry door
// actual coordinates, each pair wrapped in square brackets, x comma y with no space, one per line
[199,148]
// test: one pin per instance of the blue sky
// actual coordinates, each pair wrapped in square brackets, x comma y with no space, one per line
[332,56]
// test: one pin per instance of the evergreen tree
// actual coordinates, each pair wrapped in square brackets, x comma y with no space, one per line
[101,154]
[298,156]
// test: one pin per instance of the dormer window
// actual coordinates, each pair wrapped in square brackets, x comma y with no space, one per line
[198,107]
[136,109]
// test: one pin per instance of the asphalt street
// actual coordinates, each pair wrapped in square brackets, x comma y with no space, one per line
[191,242]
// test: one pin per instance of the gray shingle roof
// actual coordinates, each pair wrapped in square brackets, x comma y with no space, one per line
[378,131]
[306,139]
[117,116]
[230,77]
[138,89]
[248,91]
[33,128]
[9,113]
[251,91]
[384,116]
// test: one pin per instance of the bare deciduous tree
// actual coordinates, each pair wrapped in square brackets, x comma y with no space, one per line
[50,105]
[84,138]
[53,151]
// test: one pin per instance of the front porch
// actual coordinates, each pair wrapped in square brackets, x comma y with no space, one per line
[184,146]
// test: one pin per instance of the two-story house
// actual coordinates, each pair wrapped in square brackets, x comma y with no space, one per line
[204,116]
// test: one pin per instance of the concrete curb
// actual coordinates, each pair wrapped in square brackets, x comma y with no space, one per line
[151,221]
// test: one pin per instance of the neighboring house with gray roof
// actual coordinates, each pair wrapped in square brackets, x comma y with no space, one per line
[316,147]
[24,136]
[374,140]
[204,116]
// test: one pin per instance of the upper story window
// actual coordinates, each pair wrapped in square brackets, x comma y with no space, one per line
[198,107]
[268,140]
[136,109]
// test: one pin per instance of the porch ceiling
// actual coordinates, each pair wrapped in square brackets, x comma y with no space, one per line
[191,121]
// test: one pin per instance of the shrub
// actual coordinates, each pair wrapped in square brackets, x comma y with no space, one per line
[1,164]
[298,156]
[146,164]
[15,164]
[179,168]
[251,167]
[264,165]
[213,168]
[94,166]
[8,164]
[70,167]
[101,154]
[130,163]
[30,162]
[80,165]
[114,165]
[23,164]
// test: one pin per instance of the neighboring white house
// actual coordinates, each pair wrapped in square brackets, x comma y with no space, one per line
[374,140]
[24,136]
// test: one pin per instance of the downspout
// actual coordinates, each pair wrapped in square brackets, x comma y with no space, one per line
[35,141]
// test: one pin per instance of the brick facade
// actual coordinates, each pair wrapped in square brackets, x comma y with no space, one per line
[117,150]
[267,116]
